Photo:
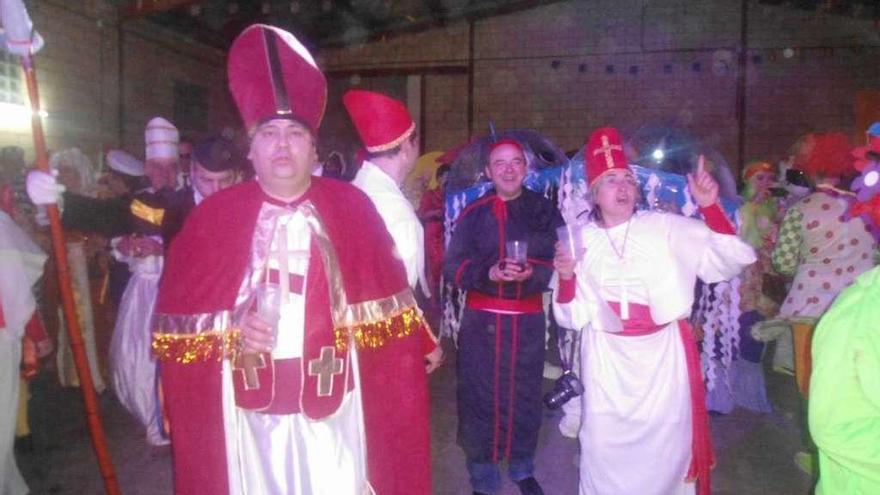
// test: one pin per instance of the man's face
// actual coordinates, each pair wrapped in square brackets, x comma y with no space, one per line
[507,169]
[283,155]
[114,184]
[162,172]
[185,149]
[410,148]
[207,182]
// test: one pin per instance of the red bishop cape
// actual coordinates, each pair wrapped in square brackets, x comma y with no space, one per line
[204,271]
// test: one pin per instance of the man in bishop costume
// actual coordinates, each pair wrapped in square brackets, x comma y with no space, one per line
[645,428]
[331,397]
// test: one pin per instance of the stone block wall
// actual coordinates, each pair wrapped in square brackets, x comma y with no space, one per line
[567,67]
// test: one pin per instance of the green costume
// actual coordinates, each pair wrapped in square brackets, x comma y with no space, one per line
[845,391]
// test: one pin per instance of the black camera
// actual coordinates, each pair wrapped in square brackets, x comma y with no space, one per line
[566,387]
[778,192]
[797,177]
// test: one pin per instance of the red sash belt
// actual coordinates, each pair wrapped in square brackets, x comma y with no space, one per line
[639,322]
[485,302]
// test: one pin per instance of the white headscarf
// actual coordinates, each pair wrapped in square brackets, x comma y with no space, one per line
[77,160]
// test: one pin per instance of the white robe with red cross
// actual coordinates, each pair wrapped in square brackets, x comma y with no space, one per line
[636,433]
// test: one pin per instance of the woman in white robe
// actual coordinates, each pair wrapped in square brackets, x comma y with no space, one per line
[132,364]
[644,428]
[75,172]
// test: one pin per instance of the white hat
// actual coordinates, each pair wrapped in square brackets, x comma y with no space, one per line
[161,139]
[124,163]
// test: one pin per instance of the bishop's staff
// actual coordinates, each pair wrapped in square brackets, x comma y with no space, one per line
[19,38]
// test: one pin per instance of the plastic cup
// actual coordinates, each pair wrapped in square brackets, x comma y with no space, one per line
[517,251]
[268,298]
[570,237]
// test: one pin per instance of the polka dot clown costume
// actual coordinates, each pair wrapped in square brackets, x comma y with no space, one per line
[823,250]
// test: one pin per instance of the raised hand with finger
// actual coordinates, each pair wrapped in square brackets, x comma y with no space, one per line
[702,185]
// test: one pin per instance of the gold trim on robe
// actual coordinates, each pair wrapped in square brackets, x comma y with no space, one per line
[194,348]
[147,213]
[202,337]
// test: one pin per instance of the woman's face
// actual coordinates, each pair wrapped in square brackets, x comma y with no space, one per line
[70,178]
[615,196]
[762,181]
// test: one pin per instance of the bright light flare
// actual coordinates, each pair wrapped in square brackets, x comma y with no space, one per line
[14,116]
[658,155]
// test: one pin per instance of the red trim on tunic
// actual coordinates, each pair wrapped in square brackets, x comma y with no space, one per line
[567,289]
[496,390]
[460,271]
[717,220]
[514,349]
[472,206]
[485,302]
[499,210]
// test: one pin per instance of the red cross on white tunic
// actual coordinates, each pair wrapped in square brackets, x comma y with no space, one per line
[606,149]
[325,368]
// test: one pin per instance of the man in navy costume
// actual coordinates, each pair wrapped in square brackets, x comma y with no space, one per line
[501,340]
[214,165]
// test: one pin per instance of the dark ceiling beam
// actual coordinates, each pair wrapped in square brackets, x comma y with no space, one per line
[398,71]
[474,11]
[142,8]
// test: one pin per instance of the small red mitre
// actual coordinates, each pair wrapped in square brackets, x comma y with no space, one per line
[381,121]
[604,153]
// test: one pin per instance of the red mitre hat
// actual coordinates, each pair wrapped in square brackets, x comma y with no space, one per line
[273,76]
[381,121]
[604,153]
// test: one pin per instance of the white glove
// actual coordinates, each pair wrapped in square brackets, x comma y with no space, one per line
[43,188]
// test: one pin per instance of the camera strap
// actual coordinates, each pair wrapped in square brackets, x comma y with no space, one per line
[568,360]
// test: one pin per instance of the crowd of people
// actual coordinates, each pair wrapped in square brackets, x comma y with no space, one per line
[279,312]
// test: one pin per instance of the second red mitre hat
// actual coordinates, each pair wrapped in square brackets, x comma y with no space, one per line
[381,121]
[273,76]
[604,153]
